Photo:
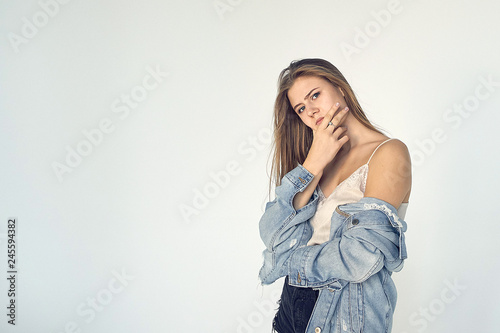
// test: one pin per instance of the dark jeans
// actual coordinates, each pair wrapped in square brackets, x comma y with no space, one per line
[295,308]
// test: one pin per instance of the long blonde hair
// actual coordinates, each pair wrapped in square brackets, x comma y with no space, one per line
[292,138]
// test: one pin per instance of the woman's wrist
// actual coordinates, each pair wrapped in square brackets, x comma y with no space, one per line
[312,168]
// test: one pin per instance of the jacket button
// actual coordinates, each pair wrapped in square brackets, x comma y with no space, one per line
[355,222]
[302,180]
[317,330]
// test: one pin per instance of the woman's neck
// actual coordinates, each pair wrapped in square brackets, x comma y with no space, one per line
[358,135]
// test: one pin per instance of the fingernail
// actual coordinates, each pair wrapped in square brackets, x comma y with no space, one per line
[337,104]
[346,109]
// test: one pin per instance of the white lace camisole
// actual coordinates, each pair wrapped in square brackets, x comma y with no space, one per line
[352,189]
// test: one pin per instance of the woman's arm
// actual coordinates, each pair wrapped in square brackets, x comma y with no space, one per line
[280,215]
[282,227]
[373,241]
[302,198]
[389,174]
[362,250]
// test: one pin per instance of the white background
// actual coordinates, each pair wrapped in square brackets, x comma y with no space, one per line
[119,209]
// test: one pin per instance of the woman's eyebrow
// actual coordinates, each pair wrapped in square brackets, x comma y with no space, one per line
[306,96]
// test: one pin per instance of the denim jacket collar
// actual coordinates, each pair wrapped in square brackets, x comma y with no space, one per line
[366,203]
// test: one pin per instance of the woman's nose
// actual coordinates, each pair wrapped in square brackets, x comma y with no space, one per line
[312,111]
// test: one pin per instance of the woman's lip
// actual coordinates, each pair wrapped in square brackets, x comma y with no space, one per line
[319,120]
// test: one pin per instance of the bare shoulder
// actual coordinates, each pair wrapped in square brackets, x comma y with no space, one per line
[392,150]
[389,175]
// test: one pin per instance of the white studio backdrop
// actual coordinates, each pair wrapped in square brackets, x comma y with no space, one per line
[135,137]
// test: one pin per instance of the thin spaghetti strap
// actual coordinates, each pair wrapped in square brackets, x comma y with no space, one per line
[377,148]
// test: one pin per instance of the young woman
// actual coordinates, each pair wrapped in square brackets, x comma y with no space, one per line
[336,224]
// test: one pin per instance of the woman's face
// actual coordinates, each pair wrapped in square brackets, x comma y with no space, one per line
[311,97]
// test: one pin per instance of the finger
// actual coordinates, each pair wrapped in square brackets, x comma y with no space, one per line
[329,115]
[340,116]
[331,128]
[337,120]
[344,139]
[339,131]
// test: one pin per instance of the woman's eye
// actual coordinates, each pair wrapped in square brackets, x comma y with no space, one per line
[313,97]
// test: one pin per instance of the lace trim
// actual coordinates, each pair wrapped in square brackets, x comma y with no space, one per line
[363,183]
[386,210]
[353,181]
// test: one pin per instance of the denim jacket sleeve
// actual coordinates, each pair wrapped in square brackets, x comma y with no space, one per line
[368,240]
[282,228]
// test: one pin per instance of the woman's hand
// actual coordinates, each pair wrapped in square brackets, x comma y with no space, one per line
[324,148]
[326,142]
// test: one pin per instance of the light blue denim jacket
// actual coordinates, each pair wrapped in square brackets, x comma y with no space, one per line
[352,271]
